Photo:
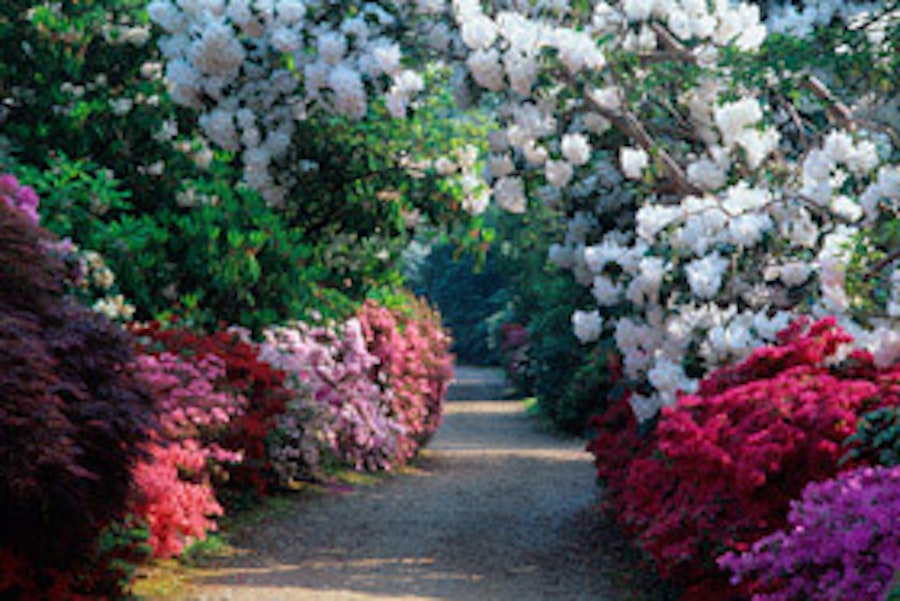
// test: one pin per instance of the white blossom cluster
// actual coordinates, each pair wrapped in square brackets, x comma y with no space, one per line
[229,59]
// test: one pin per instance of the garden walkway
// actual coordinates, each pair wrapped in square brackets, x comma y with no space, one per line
[495,510]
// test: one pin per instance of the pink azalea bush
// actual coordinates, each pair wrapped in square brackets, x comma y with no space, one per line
[841,542]
[174,486]
[175,496]
[414,367]
[338,413]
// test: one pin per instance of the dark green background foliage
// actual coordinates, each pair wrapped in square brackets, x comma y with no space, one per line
[473,300]
[568,378]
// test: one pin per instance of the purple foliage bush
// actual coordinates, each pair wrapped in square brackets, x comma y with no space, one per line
[72,418]
[842,542]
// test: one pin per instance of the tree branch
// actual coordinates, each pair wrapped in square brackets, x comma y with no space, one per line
[628,123]
[839,111]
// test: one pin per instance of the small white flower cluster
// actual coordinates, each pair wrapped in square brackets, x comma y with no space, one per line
[226,58]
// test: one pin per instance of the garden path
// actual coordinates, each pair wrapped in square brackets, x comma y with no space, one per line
[495,510]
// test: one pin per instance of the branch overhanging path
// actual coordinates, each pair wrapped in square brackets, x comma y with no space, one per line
[495,510]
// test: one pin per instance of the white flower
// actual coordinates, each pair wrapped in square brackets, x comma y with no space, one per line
[559,173]
[286,39]
[669,379]
[587,325]
[633,161]
[733,117]
[846,208]
[521,69]
[706,174]
[576,149]
[500,165]
[349,92]
[478,32]
[217,52]
[486,69]
[445,166]
[332,47]
[606,292]
[705,275]
[534,154]
[644,408]
[387,57]
[795,273]
[606,98]
[757,145]
[510,194]
[652,219]
[645,287]
[476,203]
[637,10]
[596,123]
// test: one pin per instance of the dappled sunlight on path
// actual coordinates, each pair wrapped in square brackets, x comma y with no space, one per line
[492,511]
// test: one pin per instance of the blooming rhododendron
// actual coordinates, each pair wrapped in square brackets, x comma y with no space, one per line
[414,365]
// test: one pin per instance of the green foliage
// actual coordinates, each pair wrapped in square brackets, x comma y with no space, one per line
[877,437]
[568,382]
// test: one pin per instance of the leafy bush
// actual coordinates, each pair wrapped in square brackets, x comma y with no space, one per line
[841,542]
[723,465]
[877,439]
[470,300]
[73,416]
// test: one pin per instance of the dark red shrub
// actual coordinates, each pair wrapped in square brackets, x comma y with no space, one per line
[72,412]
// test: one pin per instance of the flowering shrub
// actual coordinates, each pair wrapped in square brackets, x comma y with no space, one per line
[19,197]
[723,464]
[72,420]
[337,413]
[414,367]
[174,495]
[698,241]
[257,381]
[174,487]
[841,542]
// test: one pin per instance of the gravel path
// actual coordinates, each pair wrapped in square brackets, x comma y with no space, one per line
[495,510]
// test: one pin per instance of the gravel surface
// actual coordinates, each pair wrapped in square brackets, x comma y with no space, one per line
[495,510]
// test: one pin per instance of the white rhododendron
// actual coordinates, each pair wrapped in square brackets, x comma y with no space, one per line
[702,215]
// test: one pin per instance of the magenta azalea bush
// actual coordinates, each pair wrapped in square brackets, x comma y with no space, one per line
[842,542]
[723,465]
[19,197]
[414,367]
